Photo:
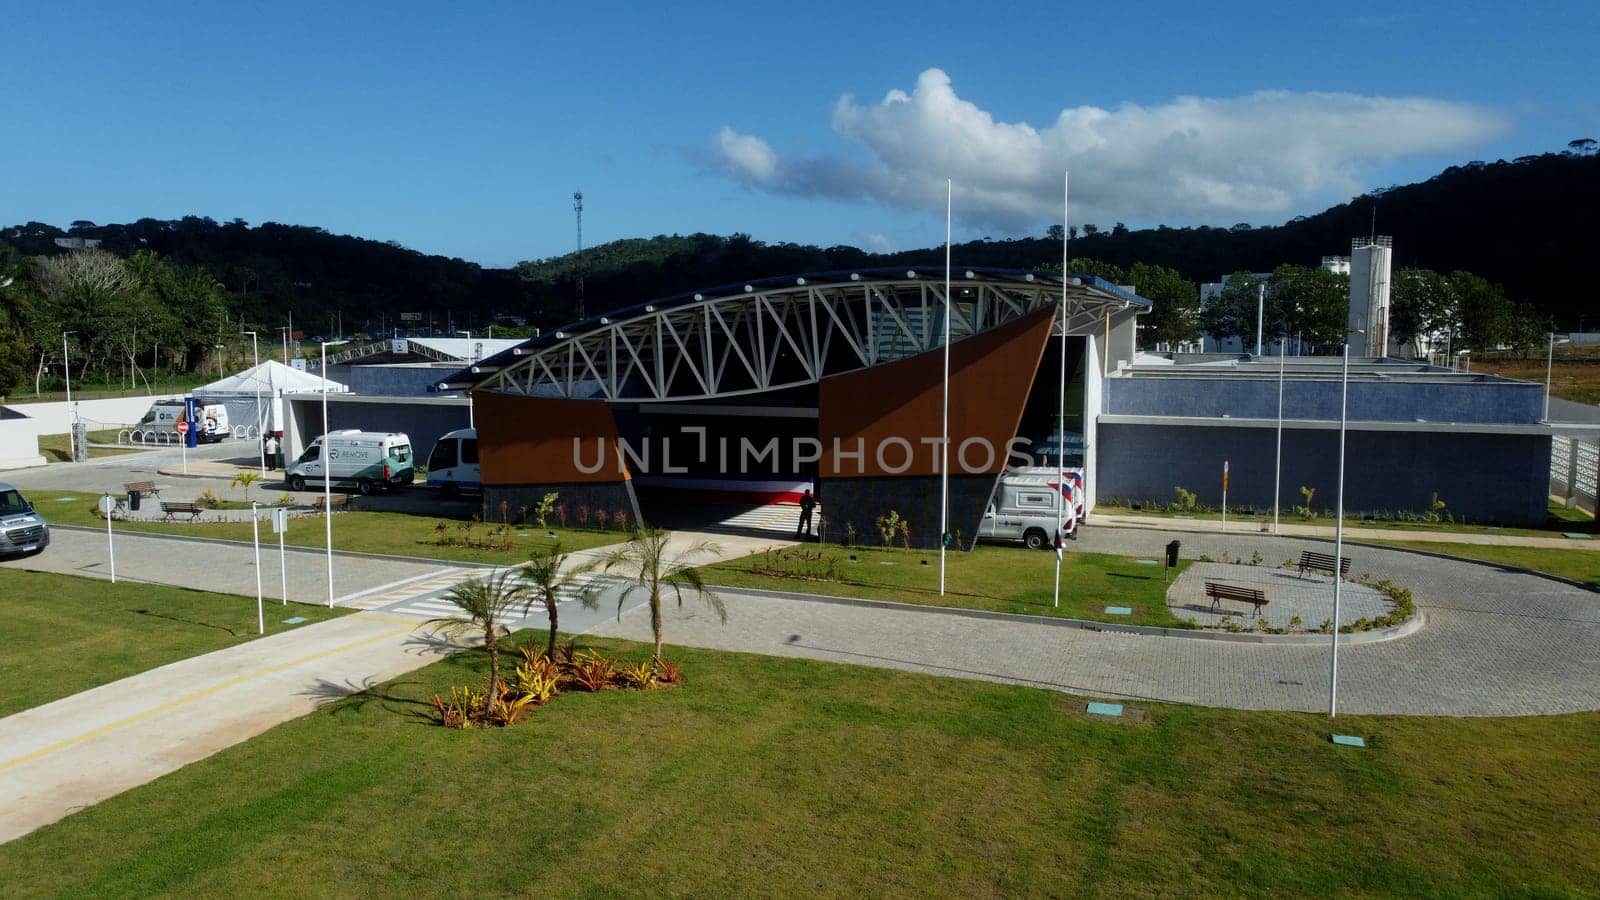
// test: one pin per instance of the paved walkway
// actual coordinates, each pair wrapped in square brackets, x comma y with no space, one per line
[79,750]
[1352,532]
[1494,641]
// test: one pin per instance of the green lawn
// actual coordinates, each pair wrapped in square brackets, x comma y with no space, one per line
[1560,519]
[64,634]
[400,534]
[1006,579]
[58,448]
[787,777]
[1579,565]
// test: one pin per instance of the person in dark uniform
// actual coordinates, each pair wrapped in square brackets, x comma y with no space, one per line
[807,504]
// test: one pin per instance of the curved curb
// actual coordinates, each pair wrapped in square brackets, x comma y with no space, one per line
[1507,567]
[353,554]
[1404,629]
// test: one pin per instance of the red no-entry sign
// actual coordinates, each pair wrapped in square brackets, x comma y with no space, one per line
[183,426]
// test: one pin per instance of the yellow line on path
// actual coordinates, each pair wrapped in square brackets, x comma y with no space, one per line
[173,704]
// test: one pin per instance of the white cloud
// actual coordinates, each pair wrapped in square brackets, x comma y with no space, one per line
[1193,159]
[878,242]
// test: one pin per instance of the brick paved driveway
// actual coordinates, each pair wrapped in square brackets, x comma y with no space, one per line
[1495,642]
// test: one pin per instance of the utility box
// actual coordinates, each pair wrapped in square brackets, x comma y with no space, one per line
[1172,554]
[133,501]
[80,442]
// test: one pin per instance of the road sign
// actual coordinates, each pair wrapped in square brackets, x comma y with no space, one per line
[182,426]
[107,504]
[411,317]
[280,520]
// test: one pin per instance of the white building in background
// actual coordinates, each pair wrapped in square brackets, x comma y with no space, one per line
[1367,265]
[1370,262]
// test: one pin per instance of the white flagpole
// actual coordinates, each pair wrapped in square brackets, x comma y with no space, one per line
[1061,398]
[944,446]
[255,538]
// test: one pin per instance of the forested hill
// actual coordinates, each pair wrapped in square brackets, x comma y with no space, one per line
[270,269]
[1529,225]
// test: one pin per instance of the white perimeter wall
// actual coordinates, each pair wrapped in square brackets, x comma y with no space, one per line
[56,417]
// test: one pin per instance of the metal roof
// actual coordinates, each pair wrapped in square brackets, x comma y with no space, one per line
[606,355]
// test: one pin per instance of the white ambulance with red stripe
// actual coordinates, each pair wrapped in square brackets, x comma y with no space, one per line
[1034,505]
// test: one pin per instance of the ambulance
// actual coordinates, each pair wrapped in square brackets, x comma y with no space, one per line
[367,460]
[1026,504]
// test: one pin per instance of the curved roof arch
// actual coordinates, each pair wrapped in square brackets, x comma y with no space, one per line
[779,333]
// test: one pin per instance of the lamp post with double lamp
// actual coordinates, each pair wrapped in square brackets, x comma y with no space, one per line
[1277,466]
[472,421]
[1338,530]
[327,471]
[255,374]
[66,363]
[1549,365]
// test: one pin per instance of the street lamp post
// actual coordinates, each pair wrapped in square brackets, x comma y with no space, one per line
[1549,365]
[1261,311]
[327,474]
[66,363]
[255,373]
[472,421]
[1277,467]
[1338,531]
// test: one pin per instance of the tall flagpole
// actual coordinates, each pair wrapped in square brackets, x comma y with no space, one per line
[944,446]
[1061,398]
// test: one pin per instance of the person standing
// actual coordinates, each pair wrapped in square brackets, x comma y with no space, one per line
[269,451]
[807,504]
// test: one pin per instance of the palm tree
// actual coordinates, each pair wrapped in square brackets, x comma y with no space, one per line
[245,478]
[485,604]
[547,574]
[659,569]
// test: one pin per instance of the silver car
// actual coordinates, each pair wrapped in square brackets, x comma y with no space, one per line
[22,529]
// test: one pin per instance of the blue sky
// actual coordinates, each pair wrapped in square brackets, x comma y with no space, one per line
[465,133]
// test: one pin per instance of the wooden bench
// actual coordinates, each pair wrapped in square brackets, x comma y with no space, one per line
[170,508]
[1220,592]
[1322,562]
[340,501]
[142,487]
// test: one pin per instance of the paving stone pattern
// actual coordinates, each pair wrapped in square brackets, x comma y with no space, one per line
[1494,642]
[1289,595]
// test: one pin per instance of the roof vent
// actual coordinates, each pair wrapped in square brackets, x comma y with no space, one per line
[855,276]
[748,289]
[800,281]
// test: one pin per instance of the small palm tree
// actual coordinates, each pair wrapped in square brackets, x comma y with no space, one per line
[485,605]
[546,575]
[245,479]
[658,569]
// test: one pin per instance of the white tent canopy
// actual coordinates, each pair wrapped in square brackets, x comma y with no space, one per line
[252,396]
[268,379]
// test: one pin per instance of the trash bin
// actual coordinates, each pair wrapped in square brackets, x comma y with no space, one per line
[133,501]
[1172,554]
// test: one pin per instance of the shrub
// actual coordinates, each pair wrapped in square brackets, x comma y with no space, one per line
[600,518]
[1183,500]
[561,514]
[547,505]
[1255,559]
[1434,508]
[285,499]
[247,477]
[889,527]
[591,671]
[641,676]
[1295,624]
[849,534]
[620,519]
[1305,511]
[209,499]
[668,673]
[583,514]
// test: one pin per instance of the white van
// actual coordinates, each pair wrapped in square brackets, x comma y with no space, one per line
[1026,503]
[453,464]
[367,459]
[164,416]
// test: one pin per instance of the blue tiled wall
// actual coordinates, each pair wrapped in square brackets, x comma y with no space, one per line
[1391,401]
[1487,478]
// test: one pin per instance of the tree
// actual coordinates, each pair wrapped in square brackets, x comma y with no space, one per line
[485,604]
[1308,301]
[1487,317]
[547,575]
[1232,313]
[659,569]
[1421,307]
[1175,314]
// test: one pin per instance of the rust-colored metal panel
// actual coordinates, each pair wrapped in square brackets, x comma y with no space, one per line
[530,440]
[890,413]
